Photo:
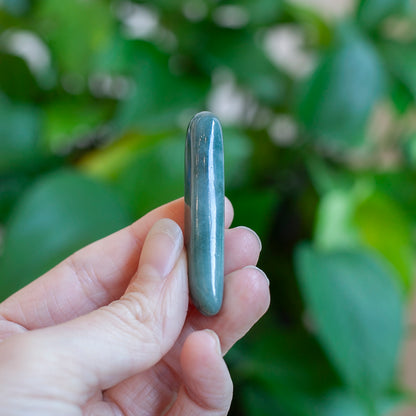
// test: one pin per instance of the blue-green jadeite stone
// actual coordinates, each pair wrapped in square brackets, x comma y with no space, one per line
[204,212]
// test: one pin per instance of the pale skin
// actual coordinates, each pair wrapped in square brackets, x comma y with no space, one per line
[110,331]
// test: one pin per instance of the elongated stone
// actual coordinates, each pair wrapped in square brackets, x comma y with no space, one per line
[204,212]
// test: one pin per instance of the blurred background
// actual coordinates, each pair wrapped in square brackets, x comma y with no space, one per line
[317,101]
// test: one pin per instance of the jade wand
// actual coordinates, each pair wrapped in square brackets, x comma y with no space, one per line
[204,212]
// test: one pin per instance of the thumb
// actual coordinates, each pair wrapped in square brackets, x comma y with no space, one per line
[131,334]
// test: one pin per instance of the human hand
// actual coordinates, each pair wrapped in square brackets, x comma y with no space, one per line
[110,331]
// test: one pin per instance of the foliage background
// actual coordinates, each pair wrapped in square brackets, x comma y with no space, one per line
[319,123]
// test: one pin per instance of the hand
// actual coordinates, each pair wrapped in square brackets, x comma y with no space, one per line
[110,331]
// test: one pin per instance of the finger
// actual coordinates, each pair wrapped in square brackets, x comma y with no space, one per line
[207,389]
[246,299]
[114,342]
[242,247]
[92,277]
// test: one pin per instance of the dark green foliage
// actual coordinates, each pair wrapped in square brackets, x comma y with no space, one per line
[320,145]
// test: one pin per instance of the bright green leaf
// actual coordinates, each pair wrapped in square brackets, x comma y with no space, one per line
[334,223]
[75,30]
[68,121]
[357,308]
[59,214]
[384,226]
[154,176]
[362,217]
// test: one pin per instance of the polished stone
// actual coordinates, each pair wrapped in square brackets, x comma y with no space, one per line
[204,212]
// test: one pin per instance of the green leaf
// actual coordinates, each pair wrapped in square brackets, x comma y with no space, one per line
[59,214]
[401,61]
[15,7]
[16,79]
[255,208]
[260,12]
[158,97]
[237,152]
[371,12]
[335,227]
[75,31]
[238,51]
[68,121]
[358,312]
[272,369]
[11,187]
[20,126]
[341,403]
[165,160]
[337,100]
[384,226]
[164,163]
[362,217]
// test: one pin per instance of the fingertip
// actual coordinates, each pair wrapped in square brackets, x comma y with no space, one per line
[242,247]
[229,213]
[254,289]
[161,248]
[206,375]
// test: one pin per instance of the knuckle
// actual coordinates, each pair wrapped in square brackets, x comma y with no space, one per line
[135,314]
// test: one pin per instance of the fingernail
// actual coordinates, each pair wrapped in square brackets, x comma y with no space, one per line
[252,232]
[260,271]
[214,336]
[164,243]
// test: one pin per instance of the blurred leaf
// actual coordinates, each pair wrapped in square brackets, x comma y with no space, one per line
[158,97]
[15,7]
[357,309]
[335,227]
[337,100]
[16,80]
[340,403]
[401,96]
[378,216]
[67,121]
[75,30]
[363,216]
[256,209]
[401,187]
[165,159]
[318,30]
[271,367]
[11,188]
[260,12]
[237,152]
[59,214]
[371,12]
[401,60]
[20,126]
[239,51]
[107,162]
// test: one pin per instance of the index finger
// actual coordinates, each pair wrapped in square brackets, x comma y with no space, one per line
[90,278]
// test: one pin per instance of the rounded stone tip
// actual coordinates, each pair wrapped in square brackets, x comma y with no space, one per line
[210,307]
[204,116]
